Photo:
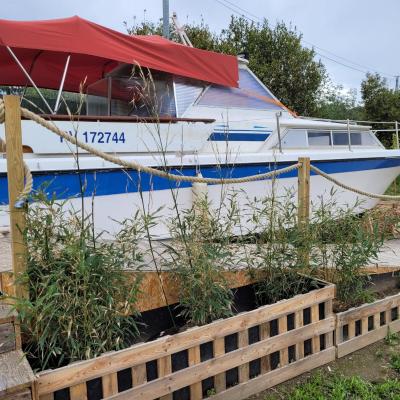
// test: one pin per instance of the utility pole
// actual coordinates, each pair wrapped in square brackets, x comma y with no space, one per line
[166,19]
[397,82]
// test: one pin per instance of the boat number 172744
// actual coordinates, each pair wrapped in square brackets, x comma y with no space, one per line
[99,137]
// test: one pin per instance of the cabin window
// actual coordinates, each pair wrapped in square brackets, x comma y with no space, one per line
[319,138]
[187,91]
[295,138]
[250,94]
[340,138]
[129,93]
[363,139]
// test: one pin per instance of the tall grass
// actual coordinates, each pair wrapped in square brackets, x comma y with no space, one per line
[198,256]
[342,243]
[278,247]
[81,302]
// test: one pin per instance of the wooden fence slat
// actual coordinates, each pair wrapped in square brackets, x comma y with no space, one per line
[243,341]
[110,384]
[377,320]
[279,375]
[196,392]
[298,324]
[364,325]
[368,309]
[48,396]
[139,374]
[219,379]
[50,381]
[351,329]
[164,367]
[78,392]
[217,365]
[283,354]
[349,346]
[388,316]
[265,334]
[329,342]
[315,341]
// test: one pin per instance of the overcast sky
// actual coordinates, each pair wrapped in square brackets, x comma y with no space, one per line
[363,34]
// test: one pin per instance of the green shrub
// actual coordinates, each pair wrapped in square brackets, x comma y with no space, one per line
[197,257]
[333,387]
[341,245]
[278,254]
[81,303]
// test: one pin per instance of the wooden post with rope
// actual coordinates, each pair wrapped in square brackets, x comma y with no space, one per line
[15,176]
[304,201]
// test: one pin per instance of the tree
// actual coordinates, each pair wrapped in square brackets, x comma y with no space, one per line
[338,104]
[275,55]
[380,102]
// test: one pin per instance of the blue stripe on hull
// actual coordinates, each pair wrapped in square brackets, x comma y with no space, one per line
[116,181]
[238,137]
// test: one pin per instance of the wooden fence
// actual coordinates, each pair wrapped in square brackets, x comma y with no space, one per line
[230,359]
[364,325]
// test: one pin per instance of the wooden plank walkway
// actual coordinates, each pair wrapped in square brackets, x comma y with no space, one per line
[389,256]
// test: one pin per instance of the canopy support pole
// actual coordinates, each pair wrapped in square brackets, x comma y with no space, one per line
[62,84]
[29,78]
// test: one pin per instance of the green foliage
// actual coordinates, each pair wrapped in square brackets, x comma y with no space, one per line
[322,387]
[380,103]
[335,103]
[277,258]
[392,338]
[341,246]
[81,303]
[395,362]
[197,258]
[275,55]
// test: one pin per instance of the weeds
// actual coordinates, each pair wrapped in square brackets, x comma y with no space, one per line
[321,387]
[395,362]
[392,338]
[81,303]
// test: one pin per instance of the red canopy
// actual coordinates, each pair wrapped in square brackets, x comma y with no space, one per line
[43,47]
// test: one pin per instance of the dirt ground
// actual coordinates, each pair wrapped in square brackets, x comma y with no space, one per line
[371,363]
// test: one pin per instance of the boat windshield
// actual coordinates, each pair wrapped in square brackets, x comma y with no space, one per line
[251,94]
[314,138]
[130,92]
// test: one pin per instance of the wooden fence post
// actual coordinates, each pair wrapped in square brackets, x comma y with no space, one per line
[304,201]
[15,176]
[304,192]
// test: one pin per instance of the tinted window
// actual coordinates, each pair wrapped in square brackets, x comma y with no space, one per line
[340,138]
[319,138]
[249,94]
[363,139]
[294,138]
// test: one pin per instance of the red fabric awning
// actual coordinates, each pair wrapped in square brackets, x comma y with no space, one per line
[43,47]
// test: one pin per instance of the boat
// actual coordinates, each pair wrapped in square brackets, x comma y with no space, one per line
[203,113]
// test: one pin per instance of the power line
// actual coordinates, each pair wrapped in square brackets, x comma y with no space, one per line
[242,12]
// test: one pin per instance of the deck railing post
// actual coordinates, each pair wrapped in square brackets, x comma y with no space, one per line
[303,204]
[15,176]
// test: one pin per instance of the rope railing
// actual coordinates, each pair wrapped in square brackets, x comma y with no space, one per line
[163,173]
[352,189]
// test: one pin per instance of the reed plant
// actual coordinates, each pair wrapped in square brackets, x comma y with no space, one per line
[278,247]
[198,256]
[81,302]
[343,242]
